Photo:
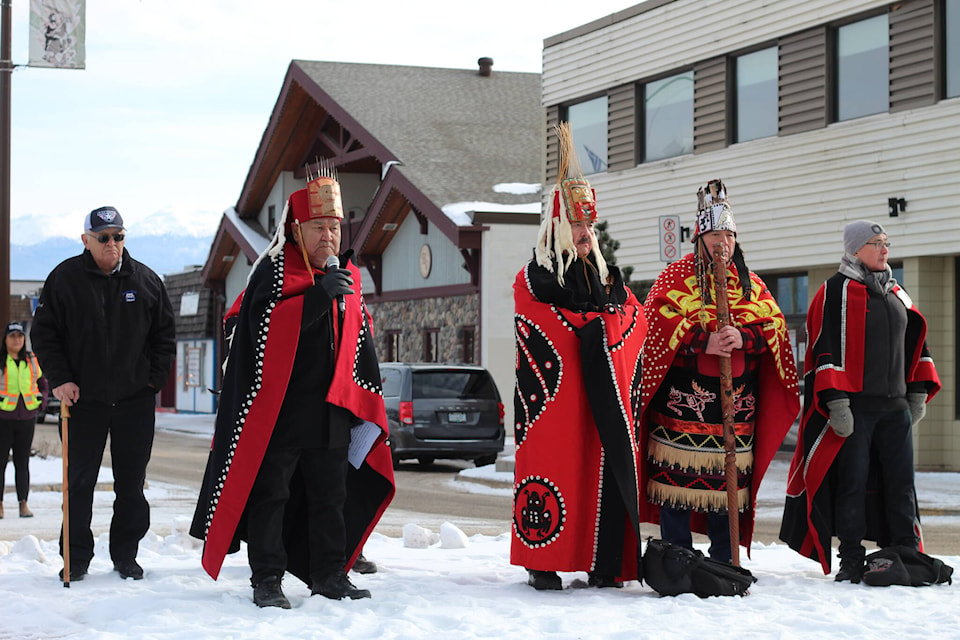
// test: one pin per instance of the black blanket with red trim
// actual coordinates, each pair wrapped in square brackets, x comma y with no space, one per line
[578,376]
[261,358]
[834,360]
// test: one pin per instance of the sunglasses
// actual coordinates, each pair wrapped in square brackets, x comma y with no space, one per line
[104,238]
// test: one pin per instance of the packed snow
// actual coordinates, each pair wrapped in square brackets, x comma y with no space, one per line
[433,582]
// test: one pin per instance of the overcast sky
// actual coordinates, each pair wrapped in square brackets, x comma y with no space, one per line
[176,94]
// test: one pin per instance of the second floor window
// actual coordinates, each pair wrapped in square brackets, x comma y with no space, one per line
[588,123]
[668,117]
[863,68]
[756,98]
[392,345]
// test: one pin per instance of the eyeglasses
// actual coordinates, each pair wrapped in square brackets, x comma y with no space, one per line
[104,238]
[879,244]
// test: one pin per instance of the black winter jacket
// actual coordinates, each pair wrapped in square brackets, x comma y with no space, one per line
[111,335]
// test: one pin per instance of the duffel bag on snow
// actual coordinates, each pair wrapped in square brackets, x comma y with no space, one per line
[905,566]
[671,570]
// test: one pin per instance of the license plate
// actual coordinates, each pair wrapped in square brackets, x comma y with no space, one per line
[458,416]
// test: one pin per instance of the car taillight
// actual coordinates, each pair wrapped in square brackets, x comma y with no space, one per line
[406,413]
[500,407]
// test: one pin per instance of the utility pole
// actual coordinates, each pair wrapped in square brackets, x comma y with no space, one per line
[6,77]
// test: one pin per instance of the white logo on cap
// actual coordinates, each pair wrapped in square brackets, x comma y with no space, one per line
[107,216]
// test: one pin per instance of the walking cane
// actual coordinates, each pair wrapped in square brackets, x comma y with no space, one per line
[64,422]
[727,406]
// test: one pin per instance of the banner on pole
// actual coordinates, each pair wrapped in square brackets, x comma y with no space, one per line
[57,34]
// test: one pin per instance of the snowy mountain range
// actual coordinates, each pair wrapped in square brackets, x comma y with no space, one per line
[167,241]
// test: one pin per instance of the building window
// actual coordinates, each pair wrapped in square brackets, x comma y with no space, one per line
[468,340]
[431,346]
[952,20]
[271,219]
[588,124]
[391,345]
[668,117]
[791,292]
[863,68]
[756,98]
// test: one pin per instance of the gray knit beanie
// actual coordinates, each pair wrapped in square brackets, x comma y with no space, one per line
[858,233]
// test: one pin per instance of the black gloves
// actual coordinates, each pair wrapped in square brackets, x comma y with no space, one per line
[337,282]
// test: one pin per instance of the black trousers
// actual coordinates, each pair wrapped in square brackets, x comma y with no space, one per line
[886,439]
[18,435]
[675,528]
[130,425]
[324,473]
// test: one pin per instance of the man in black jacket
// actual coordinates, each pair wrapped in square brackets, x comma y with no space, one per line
[104,334]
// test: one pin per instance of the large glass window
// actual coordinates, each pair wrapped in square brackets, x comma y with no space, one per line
[588,124]
[863,68]
[668,117]
[757,113]
[953,48]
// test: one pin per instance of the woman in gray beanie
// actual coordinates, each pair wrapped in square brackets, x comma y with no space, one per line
[868,378]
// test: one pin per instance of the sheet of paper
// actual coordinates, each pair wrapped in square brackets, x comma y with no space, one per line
[362,438]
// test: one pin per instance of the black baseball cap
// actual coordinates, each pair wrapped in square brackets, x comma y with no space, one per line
[13,327]
[103,218]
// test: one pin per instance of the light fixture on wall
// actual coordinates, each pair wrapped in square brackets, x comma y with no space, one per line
[895,206]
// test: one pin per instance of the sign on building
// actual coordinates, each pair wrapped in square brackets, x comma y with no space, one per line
[669,231]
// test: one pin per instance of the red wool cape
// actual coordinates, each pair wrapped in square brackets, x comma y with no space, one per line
[256,379]
[834,360]
[565,407]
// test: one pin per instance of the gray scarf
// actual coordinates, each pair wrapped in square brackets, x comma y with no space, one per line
[881,282]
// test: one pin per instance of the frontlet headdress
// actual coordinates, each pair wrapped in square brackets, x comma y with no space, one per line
[573,200]
[714,213]
[319,199]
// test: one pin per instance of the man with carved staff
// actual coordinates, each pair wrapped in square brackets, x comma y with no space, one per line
[682,419]
[579,330]
[868,379]
[299,467]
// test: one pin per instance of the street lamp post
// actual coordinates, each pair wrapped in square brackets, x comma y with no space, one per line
[6,73]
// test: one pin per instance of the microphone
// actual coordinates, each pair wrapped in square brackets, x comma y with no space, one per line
[333,262]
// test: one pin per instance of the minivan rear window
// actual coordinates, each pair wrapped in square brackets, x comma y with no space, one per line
[390,380]
[453,384]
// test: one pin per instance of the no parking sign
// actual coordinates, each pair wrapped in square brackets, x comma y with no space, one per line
[669,230]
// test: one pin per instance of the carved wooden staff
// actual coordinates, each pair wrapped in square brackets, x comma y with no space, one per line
[727,405]
[64,446]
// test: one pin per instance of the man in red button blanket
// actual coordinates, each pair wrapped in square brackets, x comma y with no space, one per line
[299,466]
[682,418]
[579,331]
[868,379]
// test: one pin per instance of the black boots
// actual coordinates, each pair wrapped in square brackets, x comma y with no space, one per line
[603,582]
[851,562]
[77,571]
[362,565]
[544,580]
[128,569]
[337,586]
[267,593]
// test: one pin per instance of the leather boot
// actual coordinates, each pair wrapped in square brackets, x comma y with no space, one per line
[337,586]
[267,593]
[851,562]
[25,510]
[603,582]
[544,580]
[362,565]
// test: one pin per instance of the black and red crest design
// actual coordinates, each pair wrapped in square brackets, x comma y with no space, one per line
[539,370]
[538,511]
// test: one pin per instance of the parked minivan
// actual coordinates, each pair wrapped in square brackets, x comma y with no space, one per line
[447,411]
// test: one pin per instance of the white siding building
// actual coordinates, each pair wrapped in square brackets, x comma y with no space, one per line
[813,112]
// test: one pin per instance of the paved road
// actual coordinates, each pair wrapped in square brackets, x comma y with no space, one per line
[433,495]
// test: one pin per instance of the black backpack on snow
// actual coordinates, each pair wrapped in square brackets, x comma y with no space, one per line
[905,566]
[671,570]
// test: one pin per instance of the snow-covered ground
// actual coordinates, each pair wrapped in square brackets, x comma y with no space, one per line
[454,587]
